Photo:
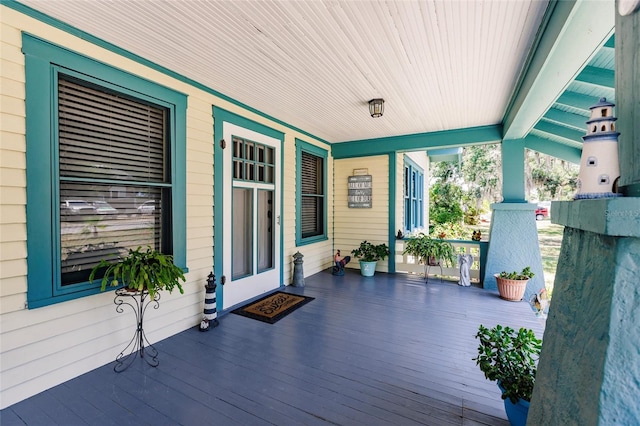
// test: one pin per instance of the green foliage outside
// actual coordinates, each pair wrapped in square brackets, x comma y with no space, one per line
[462,192]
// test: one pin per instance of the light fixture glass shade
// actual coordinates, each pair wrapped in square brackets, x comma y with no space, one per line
[376,107]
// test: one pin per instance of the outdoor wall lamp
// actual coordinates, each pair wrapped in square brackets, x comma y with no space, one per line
[376,107]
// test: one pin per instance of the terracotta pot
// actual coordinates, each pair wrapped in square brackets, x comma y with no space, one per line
[511,290]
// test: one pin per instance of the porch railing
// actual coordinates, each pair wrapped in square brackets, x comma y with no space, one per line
[478,249]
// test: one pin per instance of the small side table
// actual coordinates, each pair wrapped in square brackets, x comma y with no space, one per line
[138,301]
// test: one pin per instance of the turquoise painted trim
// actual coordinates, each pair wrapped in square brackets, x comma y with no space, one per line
[408,161]
[572,32]
[445,154]
[43,62]
[618,217]
[220,116]
[409,222]
[417,142]
[572,136]
[575,121]
[611,43]
[597,76]
[513,171]
[563,152]
[13,4]
[392,210]
[579,100]
[318,152]
[515,206]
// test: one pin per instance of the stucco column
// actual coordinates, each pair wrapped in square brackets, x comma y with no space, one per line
[589,369]
[513,237]
[513,244]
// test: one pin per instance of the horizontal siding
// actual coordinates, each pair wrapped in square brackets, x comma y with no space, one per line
[356,225]
[42,347]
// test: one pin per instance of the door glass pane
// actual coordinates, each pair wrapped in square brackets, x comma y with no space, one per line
[265,230]
[242,235]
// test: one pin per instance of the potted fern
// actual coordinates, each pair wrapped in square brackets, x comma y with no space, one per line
[369,254]
[512,285]
[141,271]
[430,251]
[510,358]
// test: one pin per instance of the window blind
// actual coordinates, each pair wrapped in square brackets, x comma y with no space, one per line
[311,184]
[112,157]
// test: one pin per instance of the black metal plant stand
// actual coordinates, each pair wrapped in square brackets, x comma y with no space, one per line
[138,301]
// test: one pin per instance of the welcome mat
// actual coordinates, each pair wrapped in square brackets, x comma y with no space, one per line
[273,307]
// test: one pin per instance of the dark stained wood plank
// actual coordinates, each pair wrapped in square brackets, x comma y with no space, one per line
[367,351]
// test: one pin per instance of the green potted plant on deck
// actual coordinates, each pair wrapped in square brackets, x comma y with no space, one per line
[369,254]
[141,271]
[510,358]
[512,285]
[430,251]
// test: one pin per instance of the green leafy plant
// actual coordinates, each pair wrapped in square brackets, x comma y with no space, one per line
[524,275]
[368,252]
[509,358]
[427,249]
[140,270]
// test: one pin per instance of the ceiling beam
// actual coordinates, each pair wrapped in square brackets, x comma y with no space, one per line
[572,136]
[569,119]
[597,76]
[575,30]
[418,142]
[577,100]
[563,152]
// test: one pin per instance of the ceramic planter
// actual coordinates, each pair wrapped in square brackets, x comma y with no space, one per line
[511,290]
[367,269]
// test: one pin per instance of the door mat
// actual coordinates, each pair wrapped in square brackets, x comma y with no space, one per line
[273,307]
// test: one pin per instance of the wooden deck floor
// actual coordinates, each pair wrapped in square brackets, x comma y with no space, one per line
[387,350]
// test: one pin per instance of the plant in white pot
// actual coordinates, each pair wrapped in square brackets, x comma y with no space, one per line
[369,254]
[512,285]
[510,358]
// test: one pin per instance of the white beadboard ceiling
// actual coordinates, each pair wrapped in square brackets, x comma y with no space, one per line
[314,64]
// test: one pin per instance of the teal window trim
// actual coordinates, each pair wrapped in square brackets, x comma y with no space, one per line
[302,146]
[43,62]
[413,193]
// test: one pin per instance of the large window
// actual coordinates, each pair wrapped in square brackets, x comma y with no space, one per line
[413,196]
[311,200]
[105,169]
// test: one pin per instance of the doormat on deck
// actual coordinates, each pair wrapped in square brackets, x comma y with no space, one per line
[273,307]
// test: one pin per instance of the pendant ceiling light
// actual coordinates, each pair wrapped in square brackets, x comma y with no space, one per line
[376,107]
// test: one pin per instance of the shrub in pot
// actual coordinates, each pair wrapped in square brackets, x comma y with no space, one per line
[510,358]
[139,270]
[512,285]
[369,254]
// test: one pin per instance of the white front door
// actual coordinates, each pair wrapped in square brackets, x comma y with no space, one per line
[251,234]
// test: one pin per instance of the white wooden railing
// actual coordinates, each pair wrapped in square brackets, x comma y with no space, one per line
[409,264]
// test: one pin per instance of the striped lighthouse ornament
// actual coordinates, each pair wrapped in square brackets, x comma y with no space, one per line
[599,169]
[210,314]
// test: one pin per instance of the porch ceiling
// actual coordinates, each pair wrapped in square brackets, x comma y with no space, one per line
[440,65]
